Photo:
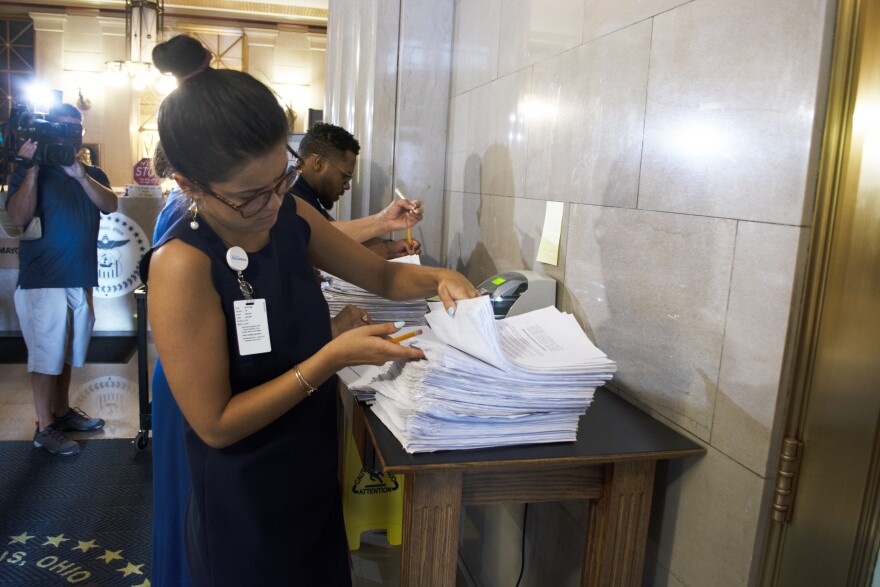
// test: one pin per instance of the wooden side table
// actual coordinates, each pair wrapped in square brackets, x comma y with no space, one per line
[612,464]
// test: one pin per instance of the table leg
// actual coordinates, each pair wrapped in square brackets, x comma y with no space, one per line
[618,526]
[431,520]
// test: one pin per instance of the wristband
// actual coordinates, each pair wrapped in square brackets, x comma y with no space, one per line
[27,163]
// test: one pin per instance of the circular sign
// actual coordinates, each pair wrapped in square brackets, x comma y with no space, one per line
[143,172]
[121,244]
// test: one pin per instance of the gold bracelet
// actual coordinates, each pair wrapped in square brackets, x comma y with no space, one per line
[309,389]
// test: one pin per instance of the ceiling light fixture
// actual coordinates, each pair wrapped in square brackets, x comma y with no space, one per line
[143,26]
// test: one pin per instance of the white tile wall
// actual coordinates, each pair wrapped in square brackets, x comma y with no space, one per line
[532,31]
[682,136]
[653,288]
[496,146]
[586,112]
[762,292]
[476,40]
[731,106]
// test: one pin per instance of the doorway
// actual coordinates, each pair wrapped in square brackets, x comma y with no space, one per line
[829,534]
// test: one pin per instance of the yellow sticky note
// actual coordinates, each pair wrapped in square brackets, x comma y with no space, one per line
[548,250]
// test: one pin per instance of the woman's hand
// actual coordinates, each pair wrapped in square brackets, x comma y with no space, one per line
[454,286]
[349,317]
[369,345]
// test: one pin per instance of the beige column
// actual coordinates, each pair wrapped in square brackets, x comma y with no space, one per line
[49,57]
[318,59]
[120,109]
[261,53]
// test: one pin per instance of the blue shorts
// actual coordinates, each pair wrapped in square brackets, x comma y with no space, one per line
[56,324]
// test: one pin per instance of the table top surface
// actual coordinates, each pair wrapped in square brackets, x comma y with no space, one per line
[612,430]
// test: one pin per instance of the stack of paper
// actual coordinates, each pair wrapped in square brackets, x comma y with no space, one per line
[339,293]
[525,379]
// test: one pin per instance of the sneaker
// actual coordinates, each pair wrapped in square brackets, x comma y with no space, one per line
[76,419]
[54,440]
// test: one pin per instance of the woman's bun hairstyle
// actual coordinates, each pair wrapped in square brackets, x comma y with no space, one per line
[216,120]
[181,56]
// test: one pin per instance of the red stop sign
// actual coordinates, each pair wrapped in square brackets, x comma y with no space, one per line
[143,173]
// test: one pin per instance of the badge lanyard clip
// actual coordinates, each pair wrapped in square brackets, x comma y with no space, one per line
[237,260]
[246,288]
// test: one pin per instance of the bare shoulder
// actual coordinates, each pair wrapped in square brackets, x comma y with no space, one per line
[305,211]
[179,269]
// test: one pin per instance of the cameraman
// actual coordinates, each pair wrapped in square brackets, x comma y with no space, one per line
[56,273]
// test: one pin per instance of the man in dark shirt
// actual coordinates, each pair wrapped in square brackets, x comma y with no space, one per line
[56,275]
[329,156]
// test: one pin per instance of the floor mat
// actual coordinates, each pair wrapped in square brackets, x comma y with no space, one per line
[76,520]
[102,349]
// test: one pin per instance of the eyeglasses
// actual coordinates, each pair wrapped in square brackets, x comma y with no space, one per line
[346,176]
[253,205]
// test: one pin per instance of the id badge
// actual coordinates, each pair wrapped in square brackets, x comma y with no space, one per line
[252,327]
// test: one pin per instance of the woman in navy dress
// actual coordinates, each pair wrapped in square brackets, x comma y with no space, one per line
[244,334]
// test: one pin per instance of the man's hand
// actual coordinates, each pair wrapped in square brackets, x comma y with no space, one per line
[27,150]
[349,317]
[76,171]
[402,248]
[401,214]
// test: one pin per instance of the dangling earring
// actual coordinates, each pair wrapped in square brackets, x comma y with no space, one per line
[194,209]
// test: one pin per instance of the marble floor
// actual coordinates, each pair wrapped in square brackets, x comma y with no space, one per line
[110,391]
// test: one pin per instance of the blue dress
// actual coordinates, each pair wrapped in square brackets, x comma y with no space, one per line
[171,482]
[267,510]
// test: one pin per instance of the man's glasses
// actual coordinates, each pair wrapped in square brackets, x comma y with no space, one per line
[346,176]
[253,205]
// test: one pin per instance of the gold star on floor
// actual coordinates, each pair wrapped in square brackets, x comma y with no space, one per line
[110,556]
[55,540]
[21,538]
[131,569]
[146,583]
[85,546]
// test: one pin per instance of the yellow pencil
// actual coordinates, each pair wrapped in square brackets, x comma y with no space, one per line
[408,231]
[397,339]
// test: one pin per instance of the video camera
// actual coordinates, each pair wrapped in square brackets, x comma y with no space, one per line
[54,144]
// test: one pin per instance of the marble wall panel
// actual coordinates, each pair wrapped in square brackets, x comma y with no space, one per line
[532,30]
[708,522]
[361,94]
[605,16]
[585,119]
[485,235]
[731,105]
[388,67]
[497,137]
[652,290]
[381,104]
[491,545]
[765,275]
[345,20]
[456,142]
[476,33]
[374,38]
[424,67]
